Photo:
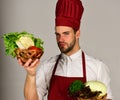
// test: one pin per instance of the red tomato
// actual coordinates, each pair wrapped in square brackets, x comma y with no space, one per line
[34,48]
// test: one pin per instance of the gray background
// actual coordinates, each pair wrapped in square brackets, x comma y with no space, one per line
[100,32]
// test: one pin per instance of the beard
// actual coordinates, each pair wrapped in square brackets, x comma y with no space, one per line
[69,47]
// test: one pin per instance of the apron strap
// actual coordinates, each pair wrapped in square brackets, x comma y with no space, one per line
[84,65]
[54,69]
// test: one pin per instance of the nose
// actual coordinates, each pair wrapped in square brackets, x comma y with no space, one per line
[60,38]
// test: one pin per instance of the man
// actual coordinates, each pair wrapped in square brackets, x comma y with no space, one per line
[56,73]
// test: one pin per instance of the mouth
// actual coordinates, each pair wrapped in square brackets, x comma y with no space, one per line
[61,44]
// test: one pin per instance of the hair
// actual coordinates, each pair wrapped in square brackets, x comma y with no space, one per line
[74,30]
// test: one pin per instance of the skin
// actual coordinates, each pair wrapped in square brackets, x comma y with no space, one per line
[30,92]
[100,98]
[67,39]
[68,43]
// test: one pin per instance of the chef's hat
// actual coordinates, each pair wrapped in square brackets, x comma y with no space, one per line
[69,13]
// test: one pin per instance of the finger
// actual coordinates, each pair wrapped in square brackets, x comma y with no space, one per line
[104,97]
[27,64]
[20,62]
[35,63]
[78,99]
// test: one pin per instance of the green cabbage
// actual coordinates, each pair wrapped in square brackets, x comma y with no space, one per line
[11,38]
[87,90]
[97,86]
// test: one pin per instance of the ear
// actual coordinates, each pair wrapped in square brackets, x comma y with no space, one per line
[77,33]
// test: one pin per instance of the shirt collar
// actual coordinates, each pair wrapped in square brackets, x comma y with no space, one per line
[73,56]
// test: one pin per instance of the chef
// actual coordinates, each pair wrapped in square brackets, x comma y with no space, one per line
[57,73]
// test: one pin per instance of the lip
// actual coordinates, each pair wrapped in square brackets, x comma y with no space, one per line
[61,44]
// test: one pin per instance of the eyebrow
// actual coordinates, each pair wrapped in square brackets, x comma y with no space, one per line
[63,32]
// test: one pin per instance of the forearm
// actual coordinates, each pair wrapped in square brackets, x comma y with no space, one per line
[30,91]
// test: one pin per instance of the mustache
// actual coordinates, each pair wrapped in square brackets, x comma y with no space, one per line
[61,43]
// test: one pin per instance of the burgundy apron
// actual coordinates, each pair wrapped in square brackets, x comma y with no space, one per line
[59,84]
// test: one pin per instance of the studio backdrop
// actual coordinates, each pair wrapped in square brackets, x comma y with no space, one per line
[100,38]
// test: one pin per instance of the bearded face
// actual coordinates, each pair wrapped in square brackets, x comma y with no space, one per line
[66,39]
[66,47]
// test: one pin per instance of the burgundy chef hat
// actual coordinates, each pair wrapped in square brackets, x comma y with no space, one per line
[69,13]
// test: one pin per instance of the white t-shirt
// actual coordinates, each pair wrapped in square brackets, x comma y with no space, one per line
[71,66]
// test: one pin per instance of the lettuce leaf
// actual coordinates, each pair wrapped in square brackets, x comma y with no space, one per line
[76,86]
[11,38]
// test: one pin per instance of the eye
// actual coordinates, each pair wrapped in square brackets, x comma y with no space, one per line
[66,33]
[57,34]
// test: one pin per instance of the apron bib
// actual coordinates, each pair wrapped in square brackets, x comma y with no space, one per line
[59,84]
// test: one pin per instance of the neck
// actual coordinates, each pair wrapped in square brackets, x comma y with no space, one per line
[74,50]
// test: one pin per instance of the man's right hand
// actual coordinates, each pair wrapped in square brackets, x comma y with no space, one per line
[30,66]
[30,90]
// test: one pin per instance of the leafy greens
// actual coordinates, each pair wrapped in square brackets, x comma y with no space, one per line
[11,38]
